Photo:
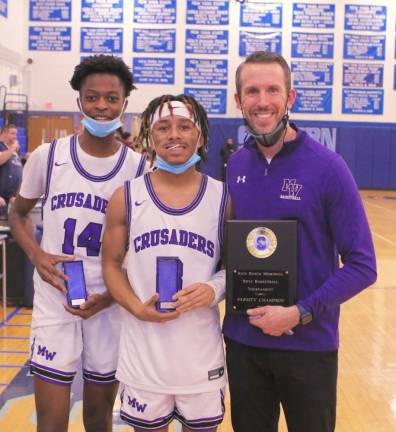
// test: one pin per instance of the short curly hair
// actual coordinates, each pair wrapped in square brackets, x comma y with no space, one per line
[102,64]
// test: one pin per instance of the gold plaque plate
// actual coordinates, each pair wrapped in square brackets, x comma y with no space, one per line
[261,242]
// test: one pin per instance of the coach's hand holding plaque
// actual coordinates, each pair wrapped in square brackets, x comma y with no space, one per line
[261,264]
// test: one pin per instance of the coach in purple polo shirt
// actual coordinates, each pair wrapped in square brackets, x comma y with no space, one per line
[282,173]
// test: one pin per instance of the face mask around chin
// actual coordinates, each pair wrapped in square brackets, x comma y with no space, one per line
[271,138]
[176,169]
[101,129]
[98,128]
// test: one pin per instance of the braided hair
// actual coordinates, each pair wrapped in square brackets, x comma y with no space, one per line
[197,111]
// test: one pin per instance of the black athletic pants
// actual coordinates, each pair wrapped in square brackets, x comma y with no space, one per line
[260,379]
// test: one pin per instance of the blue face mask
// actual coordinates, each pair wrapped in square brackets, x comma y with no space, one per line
[176,169]
[101,129]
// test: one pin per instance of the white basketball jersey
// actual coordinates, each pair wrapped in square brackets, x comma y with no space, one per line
[74,208]
[184,355]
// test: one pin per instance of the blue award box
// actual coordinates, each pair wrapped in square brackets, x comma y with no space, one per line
[169,281]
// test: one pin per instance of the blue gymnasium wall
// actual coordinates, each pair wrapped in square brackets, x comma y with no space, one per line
[368,149]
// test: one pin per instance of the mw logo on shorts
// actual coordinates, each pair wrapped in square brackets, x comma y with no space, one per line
[42,351]
[135,404]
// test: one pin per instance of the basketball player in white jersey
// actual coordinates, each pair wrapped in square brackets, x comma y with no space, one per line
[76,175]
[171,363]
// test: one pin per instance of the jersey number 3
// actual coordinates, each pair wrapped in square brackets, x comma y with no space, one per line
[88,238]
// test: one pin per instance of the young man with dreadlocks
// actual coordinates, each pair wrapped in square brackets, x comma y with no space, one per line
[76,175]
[170,221]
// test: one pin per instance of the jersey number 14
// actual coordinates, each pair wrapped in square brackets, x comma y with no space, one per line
[89,237]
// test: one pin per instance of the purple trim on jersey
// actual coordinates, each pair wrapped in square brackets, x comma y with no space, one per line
[80,169]
[141,166]
[201,424]
[206,422]
[50,380]
[223,207]
[99,378]
[128,205]
[128,209]
[172,211]
[146,424]
[52,369]
[50,164]
[52,375]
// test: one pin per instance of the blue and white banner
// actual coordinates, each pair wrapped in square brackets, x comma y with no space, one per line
[49,38]
[207,12]
[363,75]
[259,41]
[4,8]
[101,40]
[313,100]
[156,40]
[312,45]
[154,11]
[365,18]
[206,41]
[364,47]
[150,70]
[313,15]
[257,13]
[50,10]
[312,73]
[102,11]
[213,100]
[206,72]
[362,101]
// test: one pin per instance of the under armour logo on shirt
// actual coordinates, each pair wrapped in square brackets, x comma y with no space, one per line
[241,179]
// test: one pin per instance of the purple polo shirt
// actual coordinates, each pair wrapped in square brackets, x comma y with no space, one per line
[313,185]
